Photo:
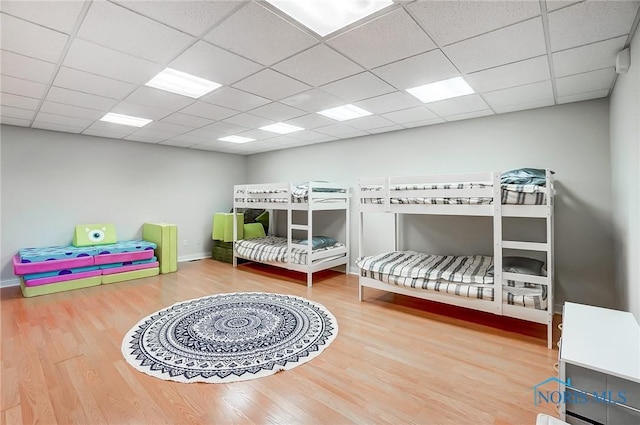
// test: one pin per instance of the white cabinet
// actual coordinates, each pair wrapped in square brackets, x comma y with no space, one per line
[599,366]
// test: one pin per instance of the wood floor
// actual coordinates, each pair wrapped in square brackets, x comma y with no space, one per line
[396,360]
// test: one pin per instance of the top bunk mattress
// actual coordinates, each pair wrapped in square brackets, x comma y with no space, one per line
[284,193]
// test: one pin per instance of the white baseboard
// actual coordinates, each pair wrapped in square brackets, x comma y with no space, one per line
[192,257]
[9,282]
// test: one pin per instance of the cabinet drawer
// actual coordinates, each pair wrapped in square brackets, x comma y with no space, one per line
[621,415]
[631,390]
[575,421]
[585,379]
[585,406]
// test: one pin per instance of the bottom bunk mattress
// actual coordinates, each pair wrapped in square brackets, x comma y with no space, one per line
[275,249]
[466,276]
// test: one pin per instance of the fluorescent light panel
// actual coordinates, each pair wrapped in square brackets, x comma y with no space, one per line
[441,90]
[327,16]
[281,128]
[345,112]
[125,120]
[179,82]
[236,139]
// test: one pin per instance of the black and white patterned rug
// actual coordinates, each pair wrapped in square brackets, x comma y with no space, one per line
[229,337]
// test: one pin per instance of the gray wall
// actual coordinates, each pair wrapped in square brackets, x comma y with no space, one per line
[572,140]
[625,165]
[52,181]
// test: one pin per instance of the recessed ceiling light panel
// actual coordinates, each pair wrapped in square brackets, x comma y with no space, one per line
[281,128]
[441,90]
[236,139]
[179,82]
[125,120]
[327,16]
[345,112]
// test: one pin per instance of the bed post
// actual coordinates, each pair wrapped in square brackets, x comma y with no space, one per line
[235,230]
[497,242]
[550,257]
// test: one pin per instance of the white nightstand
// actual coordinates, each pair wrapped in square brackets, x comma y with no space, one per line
[599,361]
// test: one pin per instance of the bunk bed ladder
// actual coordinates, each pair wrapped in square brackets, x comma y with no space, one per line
[497,242]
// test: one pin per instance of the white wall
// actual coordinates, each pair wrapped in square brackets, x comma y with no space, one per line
[625,165]
[52,181]
[571,139]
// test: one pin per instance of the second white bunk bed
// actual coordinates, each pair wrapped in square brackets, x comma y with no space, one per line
[312,252]
[523,290]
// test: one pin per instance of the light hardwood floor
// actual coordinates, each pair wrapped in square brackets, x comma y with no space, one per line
[396,360]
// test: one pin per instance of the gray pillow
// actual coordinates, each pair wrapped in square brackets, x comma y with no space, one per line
[522,265]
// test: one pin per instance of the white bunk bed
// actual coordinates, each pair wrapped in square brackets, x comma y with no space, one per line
[288,252]
[523,296]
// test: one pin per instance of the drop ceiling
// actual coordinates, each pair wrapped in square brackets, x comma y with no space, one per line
[65,64]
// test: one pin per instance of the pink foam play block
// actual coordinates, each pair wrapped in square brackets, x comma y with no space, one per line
[121,257]
[130,268]
[20,268]
[61,278]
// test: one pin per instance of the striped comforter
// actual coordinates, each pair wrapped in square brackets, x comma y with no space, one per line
[273,249]
[517,194]
[299,195]
[464,276]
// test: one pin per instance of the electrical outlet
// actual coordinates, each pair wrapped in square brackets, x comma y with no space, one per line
[184,243]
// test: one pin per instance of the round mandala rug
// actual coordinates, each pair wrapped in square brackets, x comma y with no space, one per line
[229,337]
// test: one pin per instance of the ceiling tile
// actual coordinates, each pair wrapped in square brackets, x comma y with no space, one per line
[221,129]
[387,129]
[531,93]
[195,136]
[389,102]
[469,115]
[510,44]
[511,75]
[107,129]
[358,87]
[419,113]
[250,121]
[71,111]
[24,67]
[11,112]
[208,111]
[15,121]
[21,102]
[260,35]
[283,140]
[21,87]
[72,97]
[308,135]
[605,19]
[113,26]
[142,111]
[62,120]
[447,22]
[56,127]
[234,99]
[158,98]
[418,70]
[369,123]
[458,105]
[100,60]
[586,82]
[317,66]
[340,130]
[177,143]
[313,100]
[187,120]
[162,130]
[423,123]
[271,84]
[258,134]
[207,61]
[389,38]
[524,106]
[192,17]
[557,4]
[31,40]
[311,121]
[73,79]
[143,138]
[584,96]
[212,145]
[57,15]
[587,58]
[277,112]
